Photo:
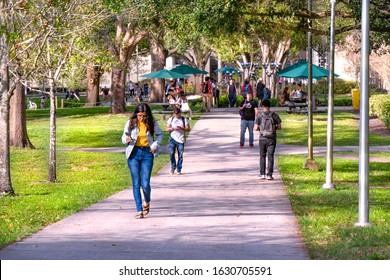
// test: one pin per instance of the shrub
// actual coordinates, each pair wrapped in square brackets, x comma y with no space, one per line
[380,107]
[343,101]
[189,88]
[340,87]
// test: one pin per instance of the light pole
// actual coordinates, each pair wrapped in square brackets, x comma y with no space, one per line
[310,162]
[253,73]
[329,147]
[364,150]
[245,65]
[136,60]
[270,69]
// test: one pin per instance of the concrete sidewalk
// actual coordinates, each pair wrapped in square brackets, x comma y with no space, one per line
[217,209]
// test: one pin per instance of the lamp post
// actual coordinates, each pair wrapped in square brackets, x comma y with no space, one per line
[329,147]
[252,74]
[310,162]
[245,65]
[364,149]
[270,69]
[136,60]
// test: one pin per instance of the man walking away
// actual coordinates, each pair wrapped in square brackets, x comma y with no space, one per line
[259,90]
[267,123]
[248,111]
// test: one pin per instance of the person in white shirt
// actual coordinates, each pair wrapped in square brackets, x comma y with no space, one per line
[177,126]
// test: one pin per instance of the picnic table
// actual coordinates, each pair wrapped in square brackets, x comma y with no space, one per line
[297,106]
[166,109]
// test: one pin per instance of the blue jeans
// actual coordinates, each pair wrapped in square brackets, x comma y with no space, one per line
[232,100]
[140,164]
[173,145]
[247,124]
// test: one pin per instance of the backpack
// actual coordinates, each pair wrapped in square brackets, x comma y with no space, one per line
[246,88]
[205,87]
[266,93]
[182,119]
[267,125]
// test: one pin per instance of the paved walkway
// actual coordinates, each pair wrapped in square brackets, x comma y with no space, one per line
[216,209]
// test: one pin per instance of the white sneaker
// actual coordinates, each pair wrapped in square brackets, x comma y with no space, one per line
[261,177]
[172,171]
[178,172]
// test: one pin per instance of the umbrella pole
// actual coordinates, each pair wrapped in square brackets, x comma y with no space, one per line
[310,162]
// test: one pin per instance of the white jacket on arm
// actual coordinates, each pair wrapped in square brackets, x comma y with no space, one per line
[153,143]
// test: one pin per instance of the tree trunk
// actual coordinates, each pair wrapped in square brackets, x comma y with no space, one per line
[158,57]
[17,119]
[52,148]
[5,169]
[118,77]
[93,78]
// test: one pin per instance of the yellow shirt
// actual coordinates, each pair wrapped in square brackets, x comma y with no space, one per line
[141,140]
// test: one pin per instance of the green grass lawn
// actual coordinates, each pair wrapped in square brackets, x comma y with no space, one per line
[327,217]
[83,178]
[346,130]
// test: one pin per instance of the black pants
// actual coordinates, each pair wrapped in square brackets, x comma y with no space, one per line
[267,149]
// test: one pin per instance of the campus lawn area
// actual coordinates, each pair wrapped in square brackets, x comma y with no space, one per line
[83,178]
[326,217]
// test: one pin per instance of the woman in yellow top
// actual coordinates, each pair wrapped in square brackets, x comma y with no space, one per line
[138,135]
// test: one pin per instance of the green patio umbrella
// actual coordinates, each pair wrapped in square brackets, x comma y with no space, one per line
[226,69]
[186,69]
[164,74]
[301,72]
[299,63]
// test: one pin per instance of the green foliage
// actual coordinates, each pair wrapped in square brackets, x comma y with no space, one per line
[340,86]
[342,100]
[380,107]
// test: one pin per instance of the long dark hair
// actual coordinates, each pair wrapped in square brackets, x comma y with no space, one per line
[149,121]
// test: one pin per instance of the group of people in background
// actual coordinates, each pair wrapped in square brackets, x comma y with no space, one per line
[175,96]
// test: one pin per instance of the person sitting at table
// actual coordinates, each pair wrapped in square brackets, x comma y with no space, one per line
[184,106]
[171,100]
[299,94]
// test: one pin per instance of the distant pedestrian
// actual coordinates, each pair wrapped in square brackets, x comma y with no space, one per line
[43,101]
[142,135]
[248,111]
[137,93]
[105,92]
[177,125]
[207,95]
[259,90]
[232,93]
[267,123]
[216,97]
[246,88]
[131,88]
[184,105]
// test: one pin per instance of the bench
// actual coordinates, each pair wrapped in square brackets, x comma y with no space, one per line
[297,108]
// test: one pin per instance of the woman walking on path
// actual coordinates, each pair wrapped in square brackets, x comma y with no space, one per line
[138,135]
